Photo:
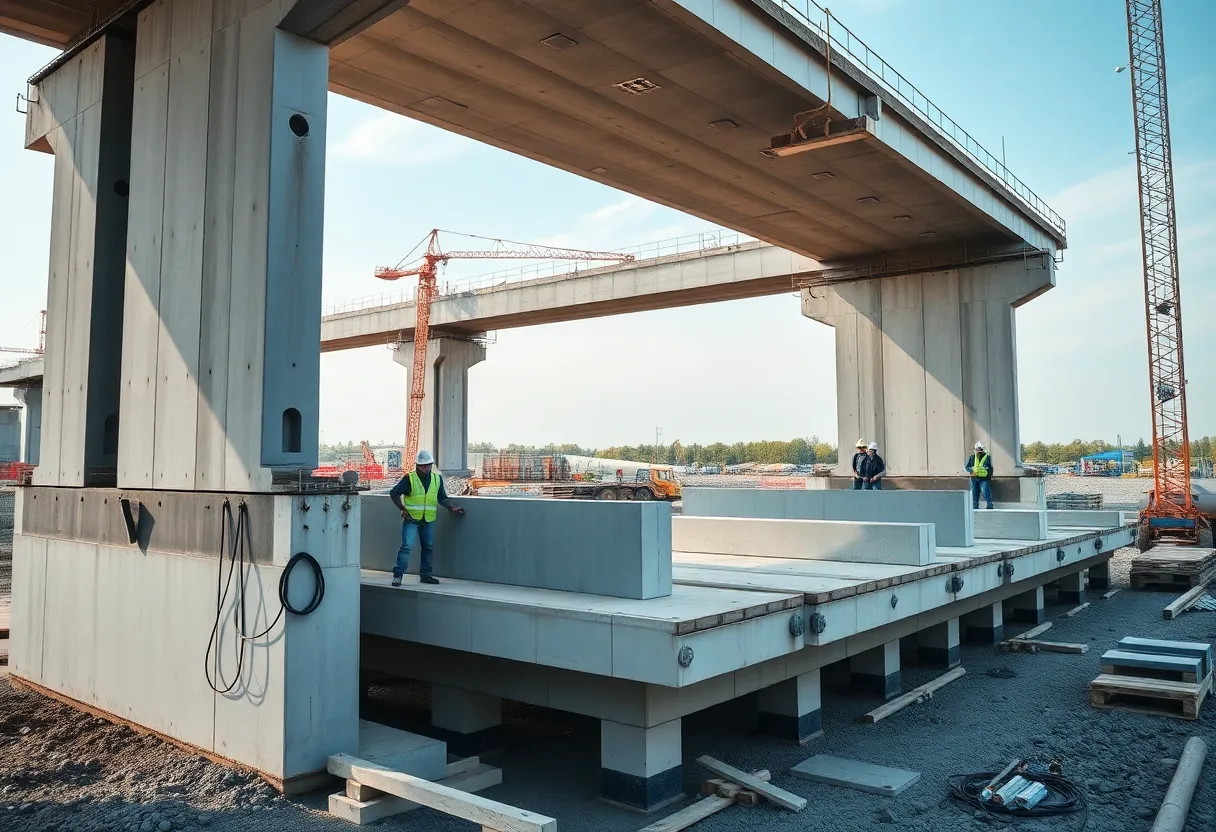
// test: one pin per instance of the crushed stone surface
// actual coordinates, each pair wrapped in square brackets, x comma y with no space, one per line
[65,771]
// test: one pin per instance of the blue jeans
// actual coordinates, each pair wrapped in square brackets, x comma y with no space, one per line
[425,533]
[876,485]
[857,483]
[978,488]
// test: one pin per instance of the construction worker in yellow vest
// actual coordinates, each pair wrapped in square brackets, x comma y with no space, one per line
[418,497]
[979,466]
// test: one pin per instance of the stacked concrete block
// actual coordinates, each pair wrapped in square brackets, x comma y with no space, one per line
[470,723]
[905,544]
[876,671]
[1028,607]
[600,548]
[641,767]
[1011,524]
[1072,588]
[792,709]
[985,625]
[939,645]
[948,511]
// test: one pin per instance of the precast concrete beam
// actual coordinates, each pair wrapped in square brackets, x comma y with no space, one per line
[1062,518]
[1028,607]
[1010,524]
[911,544]
[985,625]
[641,768]
[939,644]
[470,723]
[791,709]
[876,671]
[331,22]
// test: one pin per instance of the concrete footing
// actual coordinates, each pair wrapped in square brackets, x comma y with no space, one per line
[791,710]
[876,671]
[1072,589]
[939,645]
[470,723]
[985,626]
[1099,576]
[641,767]
[1028,608]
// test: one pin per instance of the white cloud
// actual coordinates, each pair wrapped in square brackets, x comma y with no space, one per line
[394,139]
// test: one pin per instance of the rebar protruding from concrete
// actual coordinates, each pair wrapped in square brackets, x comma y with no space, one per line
[1171,817]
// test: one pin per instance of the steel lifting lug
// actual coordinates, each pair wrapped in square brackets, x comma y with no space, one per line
[685,656]
[797,625]
[1059,555]
[954,584]
[894,600]
[1098,544]
[818,623]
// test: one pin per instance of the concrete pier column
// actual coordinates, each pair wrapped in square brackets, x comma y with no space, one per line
[82,114]
[1028,608]
[31,436]
[791,710]
[641,768]
[1099,576]
[926,364]
[1072,588]
[876,672]
[445,410]
[939,644]
[470,723]
[985,625]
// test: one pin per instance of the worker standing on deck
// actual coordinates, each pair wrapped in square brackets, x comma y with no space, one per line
[871,468]
[424,493]
[857,458]
[979,466]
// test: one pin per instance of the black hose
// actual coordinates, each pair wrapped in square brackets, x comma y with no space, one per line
[1063,796]
[236,558]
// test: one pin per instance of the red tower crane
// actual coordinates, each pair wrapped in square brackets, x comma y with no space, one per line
[1171,513]
[41,341]
[426,271]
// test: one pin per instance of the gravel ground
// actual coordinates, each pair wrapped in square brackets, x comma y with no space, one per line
[62,770]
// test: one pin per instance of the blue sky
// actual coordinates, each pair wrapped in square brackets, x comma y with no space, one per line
[1039,73]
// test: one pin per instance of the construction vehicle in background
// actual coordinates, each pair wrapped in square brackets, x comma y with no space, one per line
[1173,514]
[426,272]
[549,475]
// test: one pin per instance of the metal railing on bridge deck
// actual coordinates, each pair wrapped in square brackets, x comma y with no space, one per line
[892,81]
[687,244]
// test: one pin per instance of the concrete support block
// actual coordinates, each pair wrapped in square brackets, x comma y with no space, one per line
[641,767]
[906,544]
[600,548]
[791,709]
[1072,588]
[1006,524]
[1099,576]
[445,409]
[470,723]
[939,645]
[1074,518]
[31,438]
[1028,608]
[948,511]
[876,672]
[985,625]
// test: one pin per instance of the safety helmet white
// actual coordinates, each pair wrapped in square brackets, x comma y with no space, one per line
[861,443]
[979,446]
[425,458]
[873,446]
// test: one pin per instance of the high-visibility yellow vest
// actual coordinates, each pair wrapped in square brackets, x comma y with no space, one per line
[980,467]
[422,504]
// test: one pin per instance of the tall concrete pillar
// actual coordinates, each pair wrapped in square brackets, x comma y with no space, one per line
[220,365]
[641,768]
[82,114]
[926,364]
[792,710]
[31,440]
[445,409]
[470,723]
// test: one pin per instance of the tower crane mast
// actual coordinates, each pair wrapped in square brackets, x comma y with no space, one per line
[1171,513]
[426,271]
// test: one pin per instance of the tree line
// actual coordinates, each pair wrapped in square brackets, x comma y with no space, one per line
[1058,452]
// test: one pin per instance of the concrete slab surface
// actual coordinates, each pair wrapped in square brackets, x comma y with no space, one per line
[855,774]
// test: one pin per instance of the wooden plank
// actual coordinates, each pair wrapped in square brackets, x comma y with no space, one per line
[362,793]
[901,702]
[1028,645]
[1111,594]
[1184,602]
[386,805]
[470,807]
[1076,610]
[1032,632]
[777,795]
[689,815]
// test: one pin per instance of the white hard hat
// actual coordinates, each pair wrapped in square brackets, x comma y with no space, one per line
[979,446]
[861,443]
[425,458]
[873,446]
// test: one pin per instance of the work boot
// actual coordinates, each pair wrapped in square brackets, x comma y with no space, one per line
[429,579]
[396,580]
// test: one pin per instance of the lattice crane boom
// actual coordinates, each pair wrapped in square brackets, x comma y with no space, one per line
[1171,497]
[426,272]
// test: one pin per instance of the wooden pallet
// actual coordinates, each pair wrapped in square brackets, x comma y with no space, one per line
[1174,566]
[1149,696]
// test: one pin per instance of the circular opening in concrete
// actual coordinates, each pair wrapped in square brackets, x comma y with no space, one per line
[298,125]
[122,187]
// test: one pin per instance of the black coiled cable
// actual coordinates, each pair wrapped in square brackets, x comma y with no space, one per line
[237,564]
[1063,796]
